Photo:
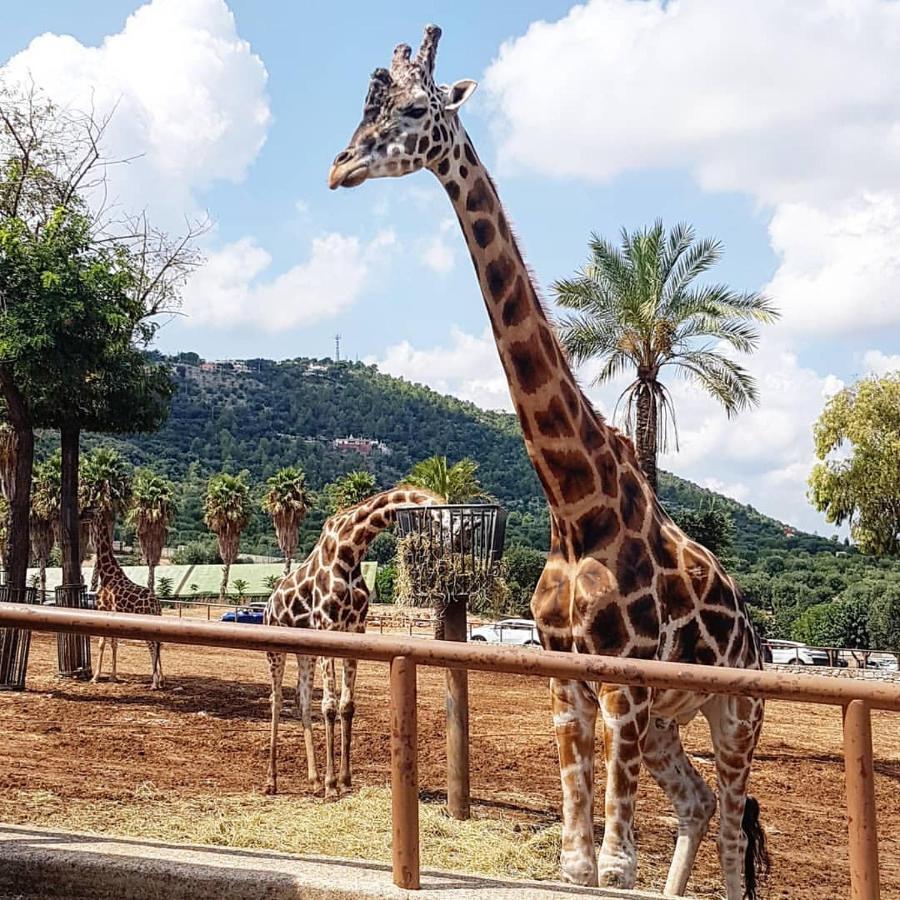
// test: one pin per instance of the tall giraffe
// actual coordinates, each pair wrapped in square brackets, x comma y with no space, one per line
[118,593]
[327,592]
[621,578]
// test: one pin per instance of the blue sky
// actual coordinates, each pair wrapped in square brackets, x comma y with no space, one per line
[776,129]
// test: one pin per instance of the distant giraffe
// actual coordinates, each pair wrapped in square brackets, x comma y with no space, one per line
[118,593]
[621,578]
[327,592]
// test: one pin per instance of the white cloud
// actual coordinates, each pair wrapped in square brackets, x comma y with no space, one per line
[879,363]
[796,104]
[436,253]
[188,94]
[762,456]
[231,288]
[467,367]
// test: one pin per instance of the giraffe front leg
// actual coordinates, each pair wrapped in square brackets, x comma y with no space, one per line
[347,708]
[306,670]
[99,668]
[276,674]
[625,714]
[329,713]
[574,720]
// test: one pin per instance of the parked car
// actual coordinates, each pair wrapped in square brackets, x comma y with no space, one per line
[885,663]
[250,614]
[791,653]
[522,632]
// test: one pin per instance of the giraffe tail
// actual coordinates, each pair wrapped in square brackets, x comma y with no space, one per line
[756,856]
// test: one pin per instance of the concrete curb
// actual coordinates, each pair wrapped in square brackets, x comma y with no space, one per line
[41,863]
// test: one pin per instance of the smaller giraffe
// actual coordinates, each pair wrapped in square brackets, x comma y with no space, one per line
[118,593]
[327,592]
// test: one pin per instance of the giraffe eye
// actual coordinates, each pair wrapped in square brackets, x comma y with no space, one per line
[415,112]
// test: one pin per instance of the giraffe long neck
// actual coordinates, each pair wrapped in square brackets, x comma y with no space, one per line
[107,564]
[564,436]
[368,519]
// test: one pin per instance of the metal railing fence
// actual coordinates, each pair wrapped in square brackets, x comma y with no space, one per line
[856,697]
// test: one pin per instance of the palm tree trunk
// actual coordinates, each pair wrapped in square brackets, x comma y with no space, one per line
[42,568]
[151,577]
[69,537]
[224,587]
[645,438]
[287,565]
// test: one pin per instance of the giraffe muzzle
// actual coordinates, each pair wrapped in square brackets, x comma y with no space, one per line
[347,173]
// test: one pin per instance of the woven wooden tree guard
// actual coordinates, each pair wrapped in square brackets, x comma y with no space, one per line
[14,642]
[73,650]
[454,551]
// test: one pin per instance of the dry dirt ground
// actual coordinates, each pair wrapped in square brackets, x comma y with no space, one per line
[65,745]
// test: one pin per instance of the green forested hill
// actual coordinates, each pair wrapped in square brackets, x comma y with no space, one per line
[261,415]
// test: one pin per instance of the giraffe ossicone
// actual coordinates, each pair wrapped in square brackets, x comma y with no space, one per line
[621,578]
[327,592]
[118,593]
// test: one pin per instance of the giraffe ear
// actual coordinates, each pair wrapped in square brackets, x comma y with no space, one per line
[458,92]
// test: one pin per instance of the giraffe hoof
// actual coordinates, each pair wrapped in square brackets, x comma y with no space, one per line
[616,878]
[270,790]
[344,788]
[315,785]
[331,792]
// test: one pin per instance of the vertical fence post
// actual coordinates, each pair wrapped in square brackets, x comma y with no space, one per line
[458,784]
[860,781]
[404,774]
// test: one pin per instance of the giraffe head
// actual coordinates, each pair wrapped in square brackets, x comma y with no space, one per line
[408,122]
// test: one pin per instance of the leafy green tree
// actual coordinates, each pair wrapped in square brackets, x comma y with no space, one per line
[862,485]
[453,484]
[287,501]
[383,549]
[636,307]
[522,567]
[349,489]
[151,513]
[240,587]
[165,588]
[884,618]
[837,623]
[709,526]
[227,511]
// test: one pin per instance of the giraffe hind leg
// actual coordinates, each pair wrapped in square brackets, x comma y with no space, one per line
[347,708]
[114,646]
[689,794]
[735,723]
[99,668]
[329,713]
[156,676]
[276,674]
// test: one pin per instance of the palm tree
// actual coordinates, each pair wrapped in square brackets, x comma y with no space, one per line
[287,501]
[226,513]
[453,484]
[350,489]
[636,306]
[104,490]
[45,514]
[151,513]
[7,458]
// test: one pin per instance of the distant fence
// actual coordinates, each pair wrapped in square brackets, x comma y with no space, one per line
[856,697]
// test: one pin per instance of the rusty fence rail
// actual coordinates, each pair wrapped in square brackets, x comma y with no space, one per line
[404,655]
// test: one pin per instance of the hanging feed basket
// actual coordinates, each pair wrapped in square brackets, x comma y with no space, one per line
[450,553]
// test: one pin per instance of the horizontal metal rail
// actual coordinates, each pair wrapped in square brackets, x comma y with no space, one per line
[856,696]
[447,654]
